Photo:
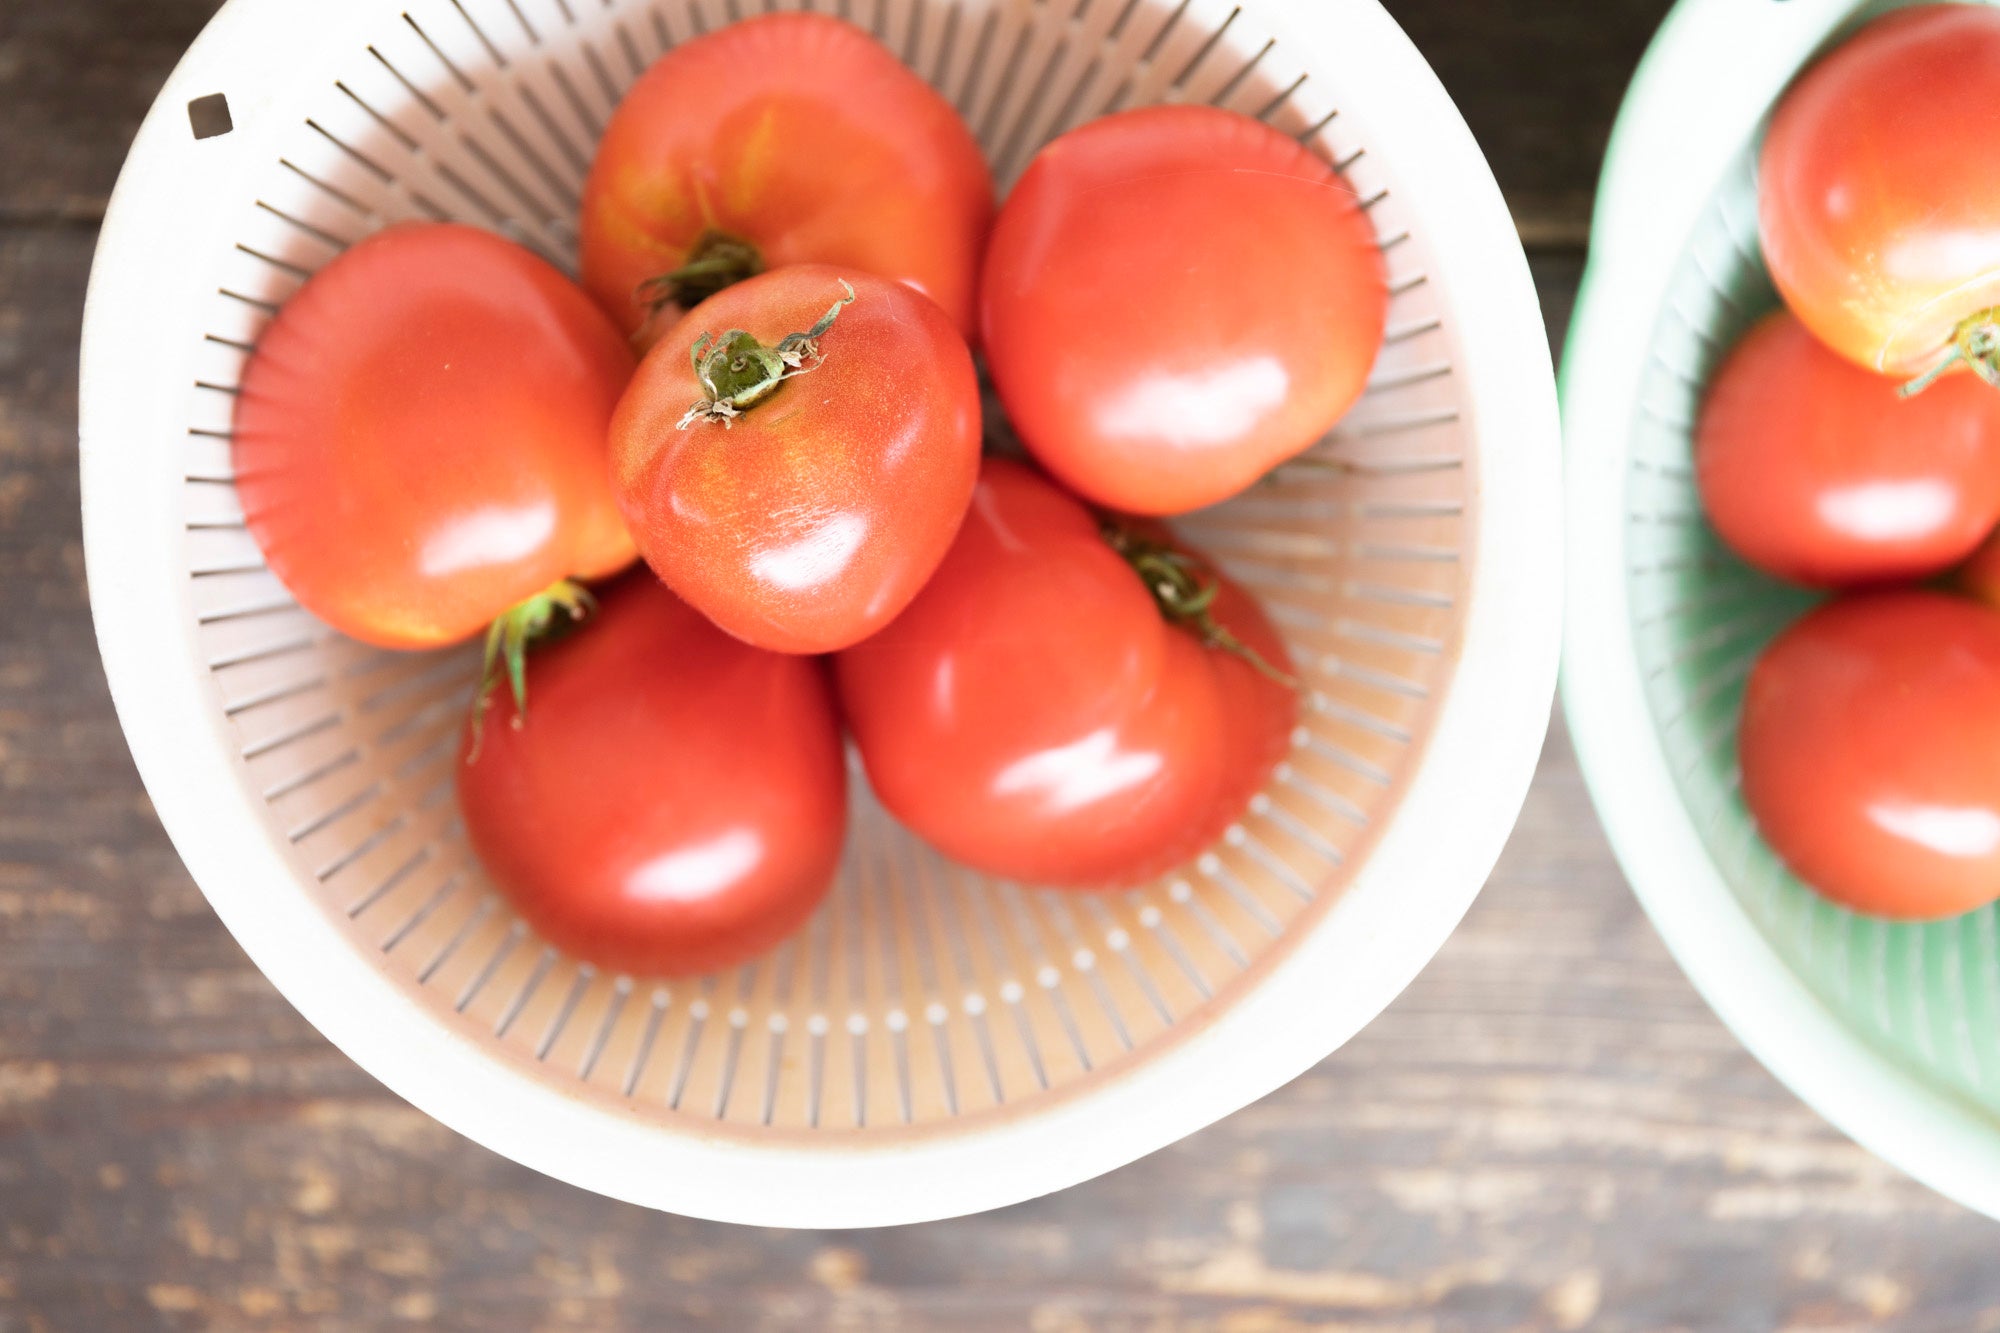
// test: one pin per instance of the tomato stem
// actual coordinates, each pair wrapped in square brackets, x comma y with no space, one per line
[1974,343]
[716,260]
[737,372]
[1185,589]
[510,636]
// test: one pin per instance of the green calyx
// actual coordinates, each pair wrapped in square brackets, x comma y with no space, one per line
[716,260]
[737,372]
[1975,343]
[1185,589]
[542,617]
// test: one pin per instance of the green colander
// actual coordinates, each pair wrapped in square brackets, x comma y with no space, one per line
[1891,1031]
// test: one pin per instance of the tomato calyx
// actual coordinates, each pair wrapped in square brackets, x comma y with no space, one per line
[716,260]
[1974,343]
[510,636]
[737,372]
[1185,589]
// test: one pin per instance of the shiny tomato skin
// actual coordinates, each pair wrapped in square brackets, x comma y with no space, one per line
[1871,752]
[419,439]
[1816,470]
[1034,717]
[809,521]
[1175,301]
[1879,208]
[803,135]
[674,801]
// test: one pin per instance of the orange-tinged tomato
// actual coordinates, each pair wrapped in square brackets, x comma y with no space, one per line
[1871,752]
[804,519]
[1879,208]
[788,138]
[676,802]
[1175,301]
[420,438]
[1036,716]
[1820,472]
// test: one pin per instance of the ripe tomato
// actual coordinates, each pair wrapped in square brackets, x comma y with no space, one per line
[677,802]
[1176,300]
[782,139]
[1818,471]
[802,492]
[1036,716]
[1871,752]
[419,441]
[1879,207]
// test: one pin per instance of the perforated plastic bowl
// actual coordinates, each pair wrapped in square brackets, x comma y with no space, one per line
[1891,1031]
[932,1043]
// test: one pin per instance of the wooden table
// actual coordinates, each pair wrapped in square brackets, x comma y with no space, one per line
[1548,1131]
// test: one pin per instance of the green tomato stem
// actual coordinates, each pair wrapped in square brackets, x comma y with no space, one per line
[716,260]
[1185,589]
[1975,343]
[737,372]
[508,640]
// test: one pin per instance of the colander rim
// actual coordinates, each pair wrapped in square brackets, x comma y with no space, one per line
[1474,777]
[1703,88]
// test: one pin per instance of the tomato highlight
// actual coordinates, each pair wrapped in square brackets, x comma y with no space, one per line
[1870,747]
[1879,210]
[1176,300]
[798,476]
[678,802]
[1062,706]
[419,443]
[1819,472]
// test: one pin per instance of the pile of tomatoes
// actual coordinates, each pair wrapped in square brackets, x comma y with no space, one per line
[765,386]
[1851,441]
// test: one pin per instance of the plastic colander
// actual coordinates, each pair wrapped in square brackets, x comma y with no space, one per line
[932,1043]
[1891,1031]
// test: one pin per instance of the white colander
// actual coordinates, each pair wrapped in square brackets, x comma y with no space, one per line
[1891,1031]
[933,1043]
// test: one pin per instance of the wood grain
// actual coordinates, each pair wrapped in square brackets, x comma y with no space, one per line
[1548,1131]
[1539,82]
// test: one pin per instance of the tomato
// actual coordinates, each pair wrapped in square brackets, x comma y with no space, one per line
[1818,471]
[1871,752]
[802,493]
[675,802]
[783,139]
[419,440]
[1036,716]
[1879,207]
[1175,301]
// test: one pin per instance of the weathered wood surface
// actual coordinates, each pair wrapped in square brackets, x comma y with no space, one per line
[1549,1131]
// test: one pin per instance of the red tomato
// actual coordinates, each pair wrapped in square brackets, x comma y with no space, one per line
[802,493]
[677,802]
[1871,752]
[783,139]
[419,441]
[1818,471]
[1177,300]
[1035,716]
[1879,206]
